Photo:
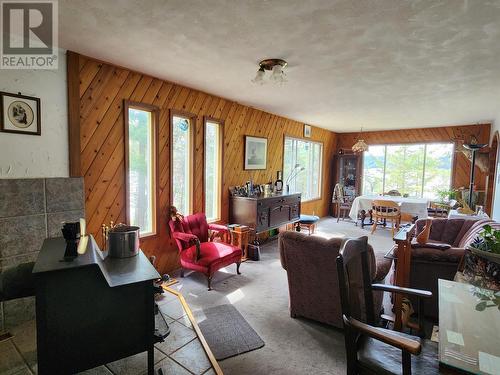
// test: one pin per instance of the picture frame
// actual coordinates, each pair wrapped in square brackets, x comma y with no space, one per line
[255,153]
[19,114]
[307,131]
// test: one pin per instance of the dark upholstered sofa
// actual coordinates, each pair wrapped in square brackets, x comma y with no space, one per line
[310,262]
[429,263]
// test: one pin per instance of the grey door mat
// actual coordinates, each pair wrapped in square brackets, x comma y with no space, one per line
[227,332]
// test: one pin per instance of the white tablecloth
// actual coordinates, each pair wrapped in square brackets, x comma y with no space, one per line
[413,206]
[454,214]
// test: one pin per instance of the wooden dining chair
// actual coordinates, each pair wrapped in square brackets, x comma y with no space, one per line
[383,210]
[393,193]
[437,209]
[371,349]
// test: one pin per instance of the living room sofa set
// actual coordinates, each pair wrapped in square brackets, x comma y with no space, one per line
[312,274]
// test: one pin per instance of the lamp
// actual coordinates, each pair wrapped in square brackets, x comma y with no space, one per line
[276,67]
[473,147]
[295,172]
[360,145]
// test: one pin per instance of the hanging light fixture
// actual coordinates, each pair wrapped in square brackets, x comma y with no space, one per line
[360,146]
[259,77]
[276,67]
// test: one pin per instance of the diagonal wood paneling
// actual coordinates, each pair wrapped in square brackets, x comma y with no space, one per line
[103,88]
[461,166]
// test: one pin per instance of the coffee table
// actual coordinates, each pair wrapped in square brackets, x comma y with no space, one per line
[469,328]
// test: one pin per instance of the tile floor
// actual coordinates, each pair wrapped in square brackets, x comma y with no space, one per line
[180,354]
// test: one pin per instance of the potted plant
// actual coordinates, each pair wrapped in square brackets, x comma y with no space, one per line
[487,244]
[446,195]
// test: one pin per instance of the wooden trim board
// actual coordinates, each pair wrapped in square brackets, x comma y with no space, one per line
[190,315]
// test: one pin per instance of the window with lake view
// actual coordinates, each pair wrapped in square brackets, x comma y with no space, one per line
[418,170]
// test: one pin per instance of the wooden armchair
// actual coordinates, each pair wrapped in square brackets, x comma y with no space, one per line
[371,349]
[383,210]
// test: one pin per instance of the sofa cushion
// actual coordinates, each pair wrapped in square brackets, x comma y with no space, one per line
[383,266]
[451,255]
[431,244]
[308,219]
[468,224]
[450,231]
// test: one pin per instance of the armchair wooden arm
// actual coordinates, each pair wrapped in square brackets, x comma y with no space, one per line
[386,336]
[219,230]
[186,237]
[189,239]
[398,289]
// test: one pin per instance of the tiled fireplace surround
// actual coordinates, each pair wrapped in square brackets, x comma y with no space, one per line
[30,211]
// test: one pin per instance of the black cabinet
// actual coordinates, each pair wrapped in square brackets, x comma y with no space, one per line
[264,213]
[92,311]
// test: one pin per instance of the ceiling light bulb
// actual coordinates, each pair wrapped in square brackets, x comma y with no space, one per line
[277,74]
[259,77]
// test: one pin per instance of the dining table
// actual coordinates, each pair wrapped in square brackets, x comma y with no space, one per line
[416,207]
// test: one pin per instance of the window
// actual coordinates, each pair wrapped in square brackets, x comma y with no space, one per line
[302,166]
[182,159]
[213,169]
[141,168]
[419,170]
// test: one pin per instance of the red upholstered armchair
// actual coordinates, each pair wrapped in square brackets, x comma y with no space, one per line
[200,253]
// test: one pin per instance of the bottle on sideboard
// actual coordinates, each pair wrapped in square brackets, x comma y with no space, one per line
[278,184]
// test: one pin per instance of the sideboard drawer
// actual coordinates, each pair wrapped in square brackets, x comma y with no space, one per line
[279,215]
[262,218]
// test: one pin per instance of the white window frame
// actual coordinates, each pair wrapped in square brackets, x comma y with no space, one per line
[425,144]
[192,130]
[320,165]
[220,161]
[154,111]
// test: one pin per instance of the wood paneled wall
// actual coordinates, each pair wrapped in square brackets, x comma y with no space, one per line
[102,90]
[461,165]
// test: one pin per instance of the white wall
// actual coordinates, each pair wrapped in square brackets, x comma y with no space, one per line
[23,156]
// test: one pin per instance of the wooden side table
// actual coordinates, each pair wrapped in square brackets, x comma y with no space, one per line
[239,238]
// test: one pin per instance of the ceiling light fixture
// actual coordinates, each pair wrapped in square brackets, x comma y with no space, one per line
[360,146]
[275,66]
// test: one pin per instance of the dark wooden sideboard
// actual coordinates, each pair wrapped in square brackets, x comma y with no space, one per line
[263,213]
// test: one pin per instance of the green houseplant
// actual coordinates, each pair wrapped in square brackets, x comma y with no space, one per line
[487,244]
[446,195]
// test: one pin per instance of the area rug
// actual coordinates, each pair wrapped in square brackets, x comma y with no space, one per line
[227,332]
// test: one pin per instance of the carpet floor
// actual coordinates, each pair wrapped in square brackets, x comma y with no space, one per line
[260,293]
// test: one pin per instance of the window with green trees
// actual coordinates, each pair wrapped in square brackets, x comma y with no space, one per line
[213,169]
[141,169]
[418,170]
[181,164]
[302,167]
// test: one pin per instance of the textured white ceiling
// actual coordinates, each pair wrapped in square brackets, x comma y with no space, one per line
[380,64]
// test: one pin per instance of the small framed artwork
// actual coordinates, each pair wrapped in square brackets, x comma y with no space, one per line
[255,152]
[19,114]
[307,131]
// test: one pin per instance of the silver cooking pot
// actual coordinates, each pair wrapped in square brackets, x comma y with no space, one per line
[123,241]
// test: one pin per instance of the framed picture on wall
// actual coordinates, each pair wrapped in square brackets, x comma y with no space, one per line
[255,152]
[307,131]
[19,114]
